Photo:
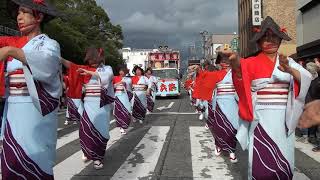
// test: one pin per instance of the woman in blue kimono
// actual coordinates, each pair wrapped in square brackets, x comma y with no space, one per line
[272,90]
[140,86]
[151,98]
[34,88]
[223,119]
[96,112]
[122,106]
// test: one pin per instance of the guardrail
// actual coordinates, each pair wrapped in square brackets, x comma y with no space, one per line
[8,31]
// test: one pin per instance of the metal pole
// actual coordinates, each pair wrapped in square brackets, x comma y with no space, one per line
[204,35]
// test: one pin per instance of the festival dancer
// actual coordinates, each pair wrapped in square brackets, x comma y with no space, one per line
[122,107]
[34,88]
[151,98]
[96,78]
[73,97]
[200,102]
[192,75]
[223,119]
[188,87]
[140,86]
[272,90]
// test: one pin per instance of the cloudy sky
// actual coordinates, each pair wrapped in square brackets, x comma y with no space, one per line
[177,23]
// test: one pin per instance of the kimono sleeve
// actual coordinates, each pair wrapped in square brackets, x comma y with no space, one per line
[297,97]
[243,89]
[106,75]
[4,41]
[43,61]
[43,74]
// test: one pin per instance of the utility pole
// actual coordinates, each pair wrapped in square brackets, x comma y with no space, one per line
[204,35]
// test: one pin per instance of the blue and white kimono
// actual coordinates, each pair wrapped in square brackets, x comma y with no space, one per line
[224,119]
[30,117]
[269,137]
[139,107]
[95,120]
[152,81]
[73,107]
[122,106]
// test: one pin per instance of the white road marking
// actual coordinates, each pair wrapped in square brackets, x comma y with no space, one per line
[299,176]
[173,113]
[74,165]
[112,121]
[307,149]
[166,107]
[63,140]
[142,161]
[205,165]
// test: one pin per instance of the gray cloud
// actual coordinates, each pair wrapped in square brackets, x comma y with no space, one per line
[177,23]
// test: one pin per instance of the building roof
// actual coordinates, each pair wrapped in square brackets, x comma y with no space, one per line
[221,38]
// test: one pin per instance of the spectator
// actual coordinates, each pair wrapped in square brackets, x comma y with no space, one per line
[313,94]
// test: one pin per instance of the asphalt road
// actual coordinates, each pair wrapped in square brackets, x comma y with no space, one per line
[171,144]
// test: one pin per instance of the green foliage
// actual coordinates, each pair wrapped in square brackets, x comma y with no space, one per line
[82,24]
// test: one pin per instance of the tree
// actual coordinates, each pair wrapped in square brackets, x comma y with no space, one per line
[82,24]
[87,24]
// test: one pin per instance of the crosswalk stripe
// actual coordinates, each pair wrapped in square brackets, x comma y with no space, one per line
[143,160]
[71,137]
[67,139]
[307,149]
[205,164]
[173,113]
[74,165]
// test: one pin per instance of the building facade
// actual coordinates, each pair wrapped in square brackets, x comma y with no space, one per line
[308,29]
[281,11]
[215,41]
[133,57]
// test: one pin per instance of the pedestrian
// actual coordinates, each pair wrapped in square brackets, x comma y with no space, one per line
[31,113]
[313,94]
[140,86]
[151,98]
[223,118]
[272,90]
[96,112]
[122,107]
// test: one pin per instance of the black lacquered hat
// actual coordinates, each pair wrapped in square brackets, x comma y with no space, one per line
[42,6]
[269,24]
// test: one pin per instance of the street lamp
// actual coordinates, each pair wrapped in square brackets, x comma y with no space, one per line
[204,36]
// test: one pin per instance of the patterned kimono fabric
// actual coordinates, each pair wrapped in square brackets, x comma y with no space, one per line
[270,103]
[225,120]
[95,120]
[122,106]
[140,86]
[30,118]
[208,83]
[152,97]
[200,103]
[74,93]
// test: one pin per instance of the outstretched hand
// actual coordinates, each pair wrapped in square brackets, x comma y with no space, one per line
[84,72]
[233,56]
[284,64]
